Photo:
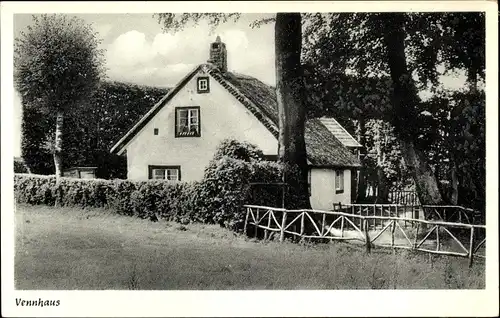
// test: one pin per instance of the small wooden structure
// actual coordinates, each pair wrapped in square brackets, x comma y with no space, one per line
[80,172]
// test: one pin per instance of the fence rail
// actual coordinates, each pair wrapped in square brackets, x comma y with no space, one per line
[435,237]
[451,213]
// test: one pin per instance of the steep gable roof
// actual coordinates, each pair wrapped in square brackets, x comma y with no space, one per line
[323,148]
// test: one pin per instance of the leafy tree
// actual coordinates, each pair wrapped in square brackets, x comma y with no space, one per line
[57,65]
[289,85]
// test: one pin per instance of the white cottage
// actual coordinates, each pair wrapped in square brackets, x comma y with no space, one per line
[177,138]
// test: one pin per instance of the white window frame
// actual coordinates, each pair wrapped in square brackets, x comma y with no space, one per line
[203,84]
[193,121]
[169,173]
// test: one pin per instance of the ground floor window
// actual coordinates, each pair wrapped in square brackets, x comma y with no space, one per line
[171,173]
[339,181]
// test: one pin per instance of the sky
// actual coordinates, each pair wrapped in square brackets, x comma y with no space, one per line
[138,51]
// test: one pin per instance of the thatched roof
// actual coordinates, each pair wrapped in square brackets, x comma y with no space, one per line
[323,148]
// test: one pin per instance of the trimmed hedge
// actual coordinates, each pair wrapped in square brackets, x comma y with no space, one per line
[218,198]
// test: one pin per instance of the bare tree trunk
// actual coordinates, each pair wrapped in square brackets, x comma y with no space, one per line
[405,101]
[454,184]
[425,180]
[361,186]
[290,92]
[58,144]
[382,188]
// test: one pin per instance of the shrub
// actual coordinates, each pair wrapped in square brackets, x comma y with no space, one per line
[229,183]
[172,201]
[238,150]
[20,167]
[219,198]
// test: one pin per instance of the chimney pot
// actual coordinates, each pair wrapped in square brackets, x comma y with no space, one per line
[218,54]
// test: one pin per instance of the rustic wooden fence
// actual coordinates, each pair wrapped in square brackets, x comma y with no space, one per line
[435,237]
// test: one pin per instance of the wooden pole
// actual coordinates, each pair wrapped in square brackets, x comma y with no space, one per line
[282,230]
[437,238]
[257,223]
[302,224]
[323,224]
[471,247]
[266,232]
[392,232]
[360,214]
[374,214]
[246,222]
[416,235]
[342,226]
[367,237]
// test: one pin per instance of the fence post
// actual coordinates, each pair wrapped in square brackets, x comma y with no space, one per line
[392,232]
[342,226]
[323,224]
[416,236]
[282,230]
[266,231]
[374,214]
[471,247]
[367,236]
[246,222]
[302,224]
[438,244]
[257,221]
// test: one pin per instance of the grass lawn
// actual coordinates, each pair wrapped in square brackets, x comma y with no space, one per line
[72,248]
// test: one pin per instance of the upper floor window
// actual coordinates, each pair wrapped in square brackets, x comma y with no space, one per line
[171,173]
[203,85]
[339,181]
[187,122]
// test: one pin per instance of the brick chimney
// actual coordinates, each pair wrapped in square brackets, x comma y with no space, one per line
[218,55]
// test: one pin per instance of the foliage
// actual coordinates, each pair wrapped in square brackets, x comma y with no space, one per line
[20,167]
[235,149]
[37,131]
[455,134]
[57,62]
[384,153]
[176,22]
